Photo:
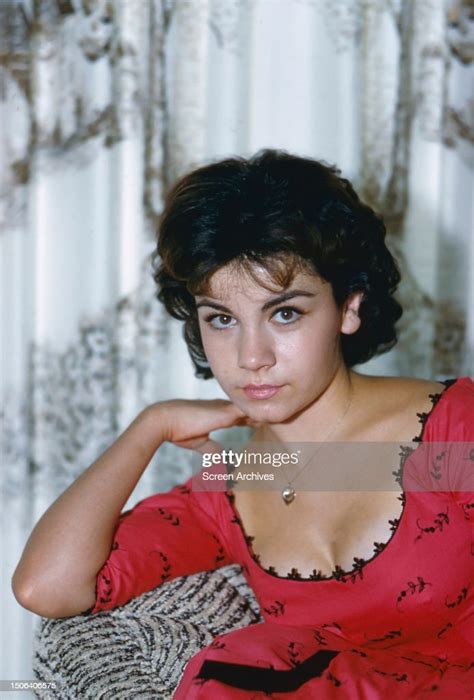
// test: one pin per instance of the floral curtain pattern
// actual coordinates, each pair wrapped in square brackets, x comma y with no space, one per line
[103,104]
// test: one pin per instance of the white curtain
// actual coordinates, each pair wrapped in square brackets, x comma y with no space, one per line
[103,104]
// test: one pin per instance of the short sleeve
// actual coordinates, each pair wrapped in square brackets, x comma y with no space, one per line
[445,459]
[164,536]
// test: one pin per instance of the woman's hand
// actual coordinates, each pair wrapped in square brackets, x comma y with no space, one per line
[187,423]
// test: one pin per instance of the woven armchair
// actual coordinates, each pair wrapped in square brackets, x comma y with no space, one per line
[141,649]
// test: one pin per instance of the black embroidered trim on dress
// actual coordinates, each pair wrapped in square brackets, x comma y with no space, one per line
[88,612]
[268,680]
[340,574]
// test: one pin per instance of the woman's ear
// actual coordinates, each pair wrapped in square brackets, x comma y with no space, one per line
[350,317]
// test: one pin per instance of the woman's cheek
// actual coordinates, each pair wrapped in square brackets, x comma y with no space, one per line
[218,355]
[208,345]
[221,362]
[304,349]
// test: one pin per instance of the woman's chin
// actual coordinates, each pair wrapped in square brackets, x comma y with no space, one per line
[267,413]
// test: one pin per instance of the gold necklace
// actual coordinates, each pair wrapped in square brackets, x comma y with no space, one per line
[288,494]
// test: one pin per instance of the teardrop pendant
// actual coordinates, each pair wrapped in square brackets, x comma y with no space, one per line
[288,494]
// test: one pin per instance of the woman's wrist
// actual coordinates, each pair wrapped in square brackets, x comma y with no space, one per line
[152,421]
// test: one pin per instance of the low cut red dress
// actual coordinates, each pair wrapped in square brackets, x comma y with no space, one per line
[398,625]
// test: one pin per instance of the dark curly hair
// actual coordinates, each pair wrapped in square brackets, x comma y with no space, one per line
[276,208]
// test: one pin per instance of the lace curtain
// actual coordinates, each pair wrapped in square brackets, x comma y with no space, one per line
[103,104]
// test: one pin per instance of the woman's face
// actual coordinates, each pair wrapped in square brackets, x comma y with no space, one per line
[287,339]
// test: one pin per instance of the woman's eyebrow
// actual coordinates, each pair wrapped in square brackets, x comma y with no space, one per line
[268,304]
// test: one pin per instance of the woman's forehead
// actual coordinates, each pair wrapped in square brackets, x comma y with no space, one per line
[232,280]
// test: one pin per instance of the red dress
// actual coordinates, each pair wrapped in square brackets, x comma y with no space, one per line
[399,625]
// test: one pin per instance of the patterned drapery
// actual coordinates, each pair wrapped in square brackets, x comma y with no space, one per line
[103,104]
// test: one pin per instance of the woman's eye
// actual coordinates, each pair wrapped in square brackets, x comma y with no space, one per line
[287,314]
[220,321]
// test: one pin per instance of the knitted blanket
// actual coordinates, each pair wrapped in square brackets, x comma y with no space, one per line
[141,649]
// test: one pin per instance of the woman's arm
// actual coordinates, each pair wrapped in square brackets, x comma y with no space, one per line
[56,575]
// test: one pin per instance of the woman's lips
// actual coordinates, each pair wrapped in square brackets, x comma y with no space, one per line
[262,391]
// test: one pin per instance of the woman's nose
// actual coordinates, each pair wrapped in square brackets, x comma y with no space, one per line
[255,351]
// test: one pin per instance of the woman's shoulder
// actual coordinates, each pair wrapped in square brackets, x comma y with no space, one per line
[445,406]
[403,386]
[450,416]
[410,390]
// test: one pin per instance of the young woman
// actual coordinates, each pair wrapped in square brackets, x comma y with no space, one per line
[284,283]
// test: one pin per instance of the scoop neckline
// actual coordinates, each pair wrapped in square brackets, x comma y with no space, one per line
[339,574]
